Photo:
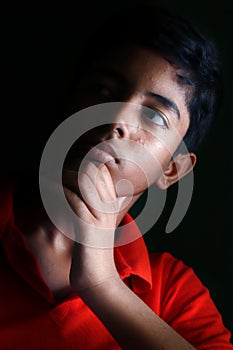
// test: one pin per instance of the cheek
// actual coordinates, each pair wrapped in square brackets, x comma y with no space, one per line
[165,145]
[131,178]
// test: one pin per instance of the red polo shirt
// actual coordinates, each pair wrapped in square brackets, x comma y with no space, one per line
[31,319]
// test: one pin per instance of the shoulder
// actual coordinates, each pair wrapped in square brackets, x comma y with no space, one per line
[169,267]
[186,304]
[164,260]
[180,287]
[177,281]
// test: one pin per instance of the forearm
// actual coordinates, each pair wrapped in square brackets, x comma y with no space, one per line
[130,321]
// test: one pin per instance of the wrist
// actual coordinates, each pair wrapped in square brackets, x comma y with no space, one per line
[91,266]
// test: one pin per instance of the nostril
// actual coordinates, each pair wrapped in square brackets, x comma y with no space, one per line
[120,132]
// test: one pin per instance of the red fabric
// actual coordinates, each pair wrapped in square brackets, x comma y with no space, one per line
[30,318]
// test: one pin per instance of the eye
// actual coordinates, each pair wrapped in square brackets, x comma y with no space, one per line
[101,90]
[155,116]
[104,91]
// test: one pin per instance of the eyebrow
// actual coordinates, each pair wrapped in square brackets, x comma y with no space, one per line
[166,102]
[109,72]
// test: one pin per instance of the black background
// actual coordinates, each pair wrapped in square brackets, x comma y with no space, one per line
[39,51]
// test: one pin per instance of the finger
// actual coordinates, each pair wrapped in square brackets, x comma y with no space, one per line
[100,177]
[82,185]
[88,221]
[71,177]
[104,185]
[76,204]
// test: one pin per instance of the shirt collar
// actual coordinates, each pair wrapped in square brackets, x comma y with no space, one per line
[132,259]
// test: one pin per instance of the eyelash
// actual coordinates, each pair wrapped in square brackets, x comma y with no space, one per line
[99,88]
[150,112]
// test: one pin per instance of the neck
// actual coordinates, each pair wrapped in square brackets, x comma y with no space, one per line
[52,249]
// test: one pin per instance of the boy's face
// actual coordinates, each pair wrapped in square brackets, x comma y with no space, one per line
[143,142]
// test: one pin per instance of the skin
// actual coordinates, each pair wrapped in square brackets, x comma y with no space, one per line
[91,271]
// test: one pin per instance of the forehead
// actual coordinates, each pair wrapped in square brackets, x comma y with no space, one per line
[141,67]
[142,70]
[135,61]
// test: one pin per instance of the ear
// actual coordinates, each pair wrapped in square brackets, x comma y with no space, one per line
[176,169]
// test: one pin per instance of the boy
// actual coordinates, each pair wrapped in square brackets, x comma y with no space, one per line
[89,294]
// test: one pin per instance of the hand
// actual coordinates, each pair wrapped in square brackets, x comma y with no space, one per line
[91,195]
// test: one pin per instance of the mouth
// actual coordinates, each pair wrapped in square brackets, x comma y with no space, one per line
[103,153]
[100,155]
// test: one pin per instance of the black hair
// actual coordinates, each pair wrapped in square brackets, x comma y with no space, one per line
[182,45]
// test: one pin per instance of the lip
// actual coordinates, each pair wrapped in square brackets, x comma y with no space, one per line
[108,148]
[102,153]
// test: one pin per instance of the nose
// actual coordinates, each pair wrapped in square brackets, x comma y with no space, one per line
[123,130]
[127,124]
